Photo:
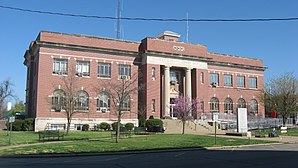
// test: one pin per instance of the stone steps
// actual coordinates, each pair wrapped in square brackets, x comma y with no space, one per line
[175,127]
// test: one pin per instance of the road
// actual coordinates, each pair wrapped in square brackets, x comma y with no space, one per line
[278,155]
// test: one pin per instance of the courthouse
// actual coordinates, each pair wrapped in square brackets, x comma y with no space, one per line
[169,68]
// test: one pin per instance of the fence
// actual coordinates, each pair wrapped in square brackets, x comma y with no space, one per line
[229,121]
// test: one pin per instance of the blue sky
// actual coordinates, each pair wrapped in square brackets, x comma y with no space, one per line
[276,43]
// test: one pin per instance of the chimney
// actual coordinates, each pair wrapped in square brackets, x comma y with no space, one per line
[169,36]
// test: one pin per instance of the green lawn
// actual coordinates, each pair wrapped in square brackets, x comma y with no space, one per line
[291,132]
[100,143]
[20,137]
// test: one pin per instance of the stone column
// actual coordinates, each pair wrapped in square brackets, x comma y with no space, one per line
[188,83]
[166,91]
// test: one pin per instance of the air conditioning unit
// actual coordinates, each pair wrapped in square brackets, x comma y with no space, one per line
[79,74]
[125,77]
[103,109]
[214,84]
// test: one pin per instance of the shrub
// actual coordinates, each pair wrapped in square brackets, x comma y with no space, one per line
[142,122]
[154,125]
[115,124]
[151,117]
[129,126]
[23,124]
[85,127]
[104,126]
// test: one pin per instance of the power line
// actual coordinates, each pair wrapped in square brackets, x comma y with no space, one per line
[150,19]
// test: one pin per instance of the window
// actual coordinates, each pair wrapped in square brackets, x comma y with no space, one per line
[214,80]
[241,103]
[253,106]
[60,66]
[241,81]
[104,70]
[83,68]
[228,80]
[126,104]
[153,73]
[214,105]
[153,105]
[57,127]
[228,106]
[201,106]
[124,71]
[58,100]
[174,77]
[202,77]
[82,101]
[103,102]
[253,82]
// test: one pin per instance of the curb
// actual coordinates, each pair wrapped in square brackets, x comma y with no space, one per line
[130,152]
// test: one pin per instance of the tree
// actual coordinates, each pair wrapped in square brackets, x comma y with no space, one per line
[6,92]
[280,95]
[184,107]
[120,92]
[18,107]
[67,96]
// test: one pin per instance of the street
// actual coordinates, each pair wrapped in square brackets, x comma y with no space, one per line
[278,155]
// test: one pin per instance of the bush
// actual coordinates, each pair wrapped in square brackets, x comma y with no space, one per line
[142,122]
[154,125]
[129,126]
[23,124]
[115,124]
[85,127]
[151,117]
[104,126]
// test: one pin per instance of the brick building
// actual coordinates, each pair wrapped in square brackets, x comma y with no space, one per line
[169,68]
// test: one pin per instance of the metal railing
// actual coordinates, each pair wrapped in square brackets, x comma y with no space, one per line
[229,121]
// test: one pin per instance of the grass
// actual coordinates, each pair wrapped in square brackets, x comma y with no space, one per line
[29,137]
[291,132]
[104,144]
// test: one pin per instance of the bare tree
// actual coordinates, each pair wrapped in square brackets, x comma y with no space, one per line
[6,92]
[184,107]
[120,92]
[68,96]
[280,95]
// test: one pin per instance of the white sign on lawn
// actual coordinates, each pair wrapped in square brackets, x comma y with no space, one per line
[242,120]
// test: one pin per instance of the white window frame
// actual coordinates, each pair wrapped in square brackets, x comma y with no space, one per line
[104,70]
[214,79]
[228,80]
[124,71]
[241,81]
[60,66]
[83,68]
[253,84]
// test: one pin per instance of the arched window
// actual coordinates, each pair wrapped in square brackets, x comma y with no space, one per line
[228,106]
[82,101]
[253,107]
[58,100]
[214,104]
[103,102]
[126,104]
[241,103]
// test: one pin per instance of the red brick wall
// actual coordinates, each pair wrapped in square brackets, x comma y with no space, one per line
[206,92]
[48,82]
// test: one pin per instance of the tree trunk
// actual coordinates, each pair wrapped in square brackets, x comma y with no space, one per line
[118,127]
[68,125]
[183,127]
[284,120]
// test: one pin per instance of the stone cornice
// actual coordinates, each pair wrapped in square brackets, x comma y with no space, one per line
[86,48]
[204,59]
